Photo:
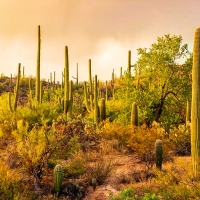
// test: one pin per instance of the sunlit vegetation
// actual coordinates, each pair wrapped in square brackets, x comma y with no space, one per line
[44,124]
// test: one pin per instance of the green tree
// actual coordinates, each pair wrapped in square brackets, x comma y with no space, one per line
[161,85]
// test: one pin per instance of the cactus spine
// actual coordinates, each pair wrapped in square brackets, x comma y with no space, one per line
[159,153]
[37,86]
[96,108]
[58,177]
[17,87]
[195,111]
[134,115]
[102,110]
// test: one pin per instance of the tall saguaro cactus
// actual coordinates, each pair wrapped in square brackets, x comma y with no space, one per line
[129,62]
[96,108]
[17,86]
[77,74]
[195,114]
[37,86]
[90,84]
[66,81]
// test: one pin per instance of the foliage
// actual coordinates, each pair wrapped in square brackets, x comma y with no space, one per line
[10,183]
[100,169]
[177,182]
[140,139]
[75,165]
[180,137]
[149,196]
[160,85]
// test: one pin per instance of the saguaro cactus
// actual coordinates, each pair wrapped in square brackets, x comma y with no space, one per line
[17,87]
[188,112]
[102,110]
[96,108]
[129,62]
[195,114]
[106,91]
[66,81]
[58,177]
[41,91]
[70,106]
[86,96]
[37,86]
[77,74]
[11,83]
[113,84]
[120,72]
[159,153]
[134,115]
[90,84]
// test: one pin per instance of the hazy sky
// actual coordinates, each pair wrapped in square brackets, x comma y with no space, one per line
[100,30]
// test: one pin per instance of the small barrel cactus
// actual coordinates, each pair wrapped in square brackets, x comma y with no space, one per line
[94,183]
[58,177]
[159,153]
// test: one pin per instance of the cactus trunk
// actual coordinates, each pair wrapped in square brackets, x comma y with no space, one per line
[37,86]
[106,91]
[90,85]
[58,177]
[17,87]
[102,110]
[195,111]
[77,74]
[66,81]
[129,62]
[96,108]
[134,115]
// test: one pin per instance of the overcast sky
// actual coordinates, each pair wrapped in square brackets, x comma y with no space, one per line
[100,30]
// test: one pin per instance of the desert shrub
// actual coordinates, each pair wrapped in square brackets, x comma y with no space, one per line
[112,130]
[126,194]
[100,169]
[181,138]
[34,147]
[10,184]
[149,196]
[177,182]
[75,165]
[140,140]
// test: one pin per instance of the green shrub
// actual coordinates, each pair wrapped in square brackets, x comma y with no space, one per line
[149,196]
